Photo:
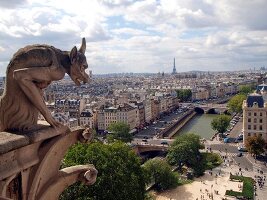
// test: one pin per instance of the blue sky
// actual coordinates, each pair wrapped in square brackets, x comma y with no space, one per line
[142,36]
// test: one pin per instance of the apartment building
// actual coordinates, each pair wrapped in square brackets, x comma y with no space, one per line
[255,116]
[123,113]
[86,119]
[127,114]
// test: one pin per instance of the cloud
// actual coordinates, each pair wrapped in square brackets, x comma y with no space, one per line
[143,35]
[11,4]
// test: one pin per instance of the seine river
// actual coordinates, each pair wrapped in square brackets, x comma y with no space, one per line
[199,124]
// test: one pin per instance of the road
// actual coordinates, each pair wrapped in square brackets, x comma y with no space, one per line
[151,130]
[151,141]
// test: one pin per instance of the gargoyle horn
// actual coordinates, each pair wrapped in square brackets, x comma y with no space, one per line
[83,46]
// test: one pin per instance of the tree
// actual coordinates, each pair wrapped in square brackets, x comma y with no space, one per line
[120,175]
[221,123]
[184,94]
[120,131]
[159,172]
[185,150]
[236,102]
[255,145]
[246,89]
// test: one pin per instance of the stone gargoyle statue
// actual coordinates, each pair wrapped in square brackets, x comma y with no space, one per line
[32,69]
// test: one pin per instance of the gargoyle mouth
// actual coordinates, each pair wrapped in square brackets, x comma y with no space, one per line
[42,84]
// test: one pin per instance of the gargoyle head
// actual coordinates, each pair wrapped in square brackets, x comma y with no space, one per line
[79,64]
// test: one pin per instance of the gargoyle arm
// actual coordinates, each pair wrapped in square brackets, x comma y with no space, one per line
[27,77]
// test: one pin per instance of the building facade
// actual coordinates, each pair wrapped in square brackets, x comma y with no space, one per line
[255,117]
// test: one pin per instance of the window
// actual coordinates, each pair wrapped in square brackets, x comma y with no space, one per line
[260,134]
[255,114]
[255,120]
[260,127]
[249,127]
[249,113]
[255,127]
[260,120]
[249,119]
[260,113]
[249,134]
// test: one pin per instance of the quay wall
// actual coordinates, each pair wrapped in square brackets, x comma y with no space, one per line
[170,131]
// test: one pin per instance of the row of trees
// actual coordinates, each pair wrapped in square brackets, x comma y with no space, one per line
[119,131]
[235,103]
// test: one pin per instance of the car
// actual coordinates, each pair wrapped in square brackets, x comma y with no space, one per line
[241,148]
[144,140]
[239,154]
[226,140]
[145,137]
[164,143]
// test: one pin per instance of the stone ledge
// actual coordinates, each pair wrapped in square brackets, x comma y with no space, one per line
[11,141]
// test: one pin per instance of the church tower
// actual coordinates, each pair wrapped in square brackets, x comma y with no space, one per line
[174,68]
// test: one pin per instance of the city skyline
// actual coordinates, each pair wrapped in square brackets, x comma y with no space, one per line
[142,36]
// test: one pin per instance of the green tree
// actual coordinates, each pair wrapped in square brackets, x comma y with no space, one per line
[185,150]
[246,89]
[120,131]
[221,123]
[159,172]
[120,175]
[236,102]
[255,145]
[184,94]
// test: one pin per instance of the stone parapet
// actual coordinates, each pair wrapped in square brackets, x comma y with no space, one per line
[30,163]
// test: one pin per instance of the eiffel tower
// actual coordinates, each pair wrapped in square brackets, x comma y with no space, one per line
[174,68]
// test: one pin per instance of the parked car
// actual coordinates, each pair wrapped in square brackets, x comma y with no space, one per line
[164,143]
[241,148]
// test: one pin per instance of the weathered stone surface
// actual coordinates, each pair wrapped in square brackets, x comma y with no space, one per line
[10,141]
[36,162]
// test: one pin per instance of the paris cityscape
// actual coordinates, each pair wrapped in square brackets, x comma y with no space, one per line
[175,107]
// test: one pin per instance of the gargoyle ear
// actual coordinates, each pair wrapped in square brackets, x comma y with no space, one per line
[83,46]
[73,54]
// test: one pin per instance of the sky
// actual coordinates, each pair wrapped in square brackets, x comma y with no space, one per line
[142,35]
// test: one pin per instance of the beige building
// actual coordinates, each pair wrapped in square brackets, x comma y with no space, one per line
[123,113]
[110,116]
[255,117]
[127,113]
[155,109]
[100,120]
[86,119]
[201,94]
[148,112]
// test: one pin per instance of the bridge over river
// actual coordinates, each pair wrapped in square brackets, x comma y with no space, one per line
[210,108]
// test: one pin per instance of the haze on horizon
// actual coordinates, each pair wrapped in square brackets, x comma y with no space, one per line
[144,35]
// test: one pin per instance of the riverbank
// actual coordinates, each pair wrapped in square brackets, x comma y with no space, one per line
[175,124]
[181,125]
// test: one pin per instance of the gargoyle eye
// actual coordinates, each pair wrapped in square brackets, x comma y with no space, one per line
[85,66]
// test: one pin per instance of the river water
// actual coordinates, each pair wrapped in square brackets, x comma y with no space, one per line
[200,125]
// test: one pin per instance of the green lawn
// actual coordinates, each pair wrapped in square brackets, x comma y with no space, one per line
[247,191]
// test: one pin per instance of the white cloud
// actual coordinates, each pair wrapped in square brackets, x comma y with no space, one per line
[144,35]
